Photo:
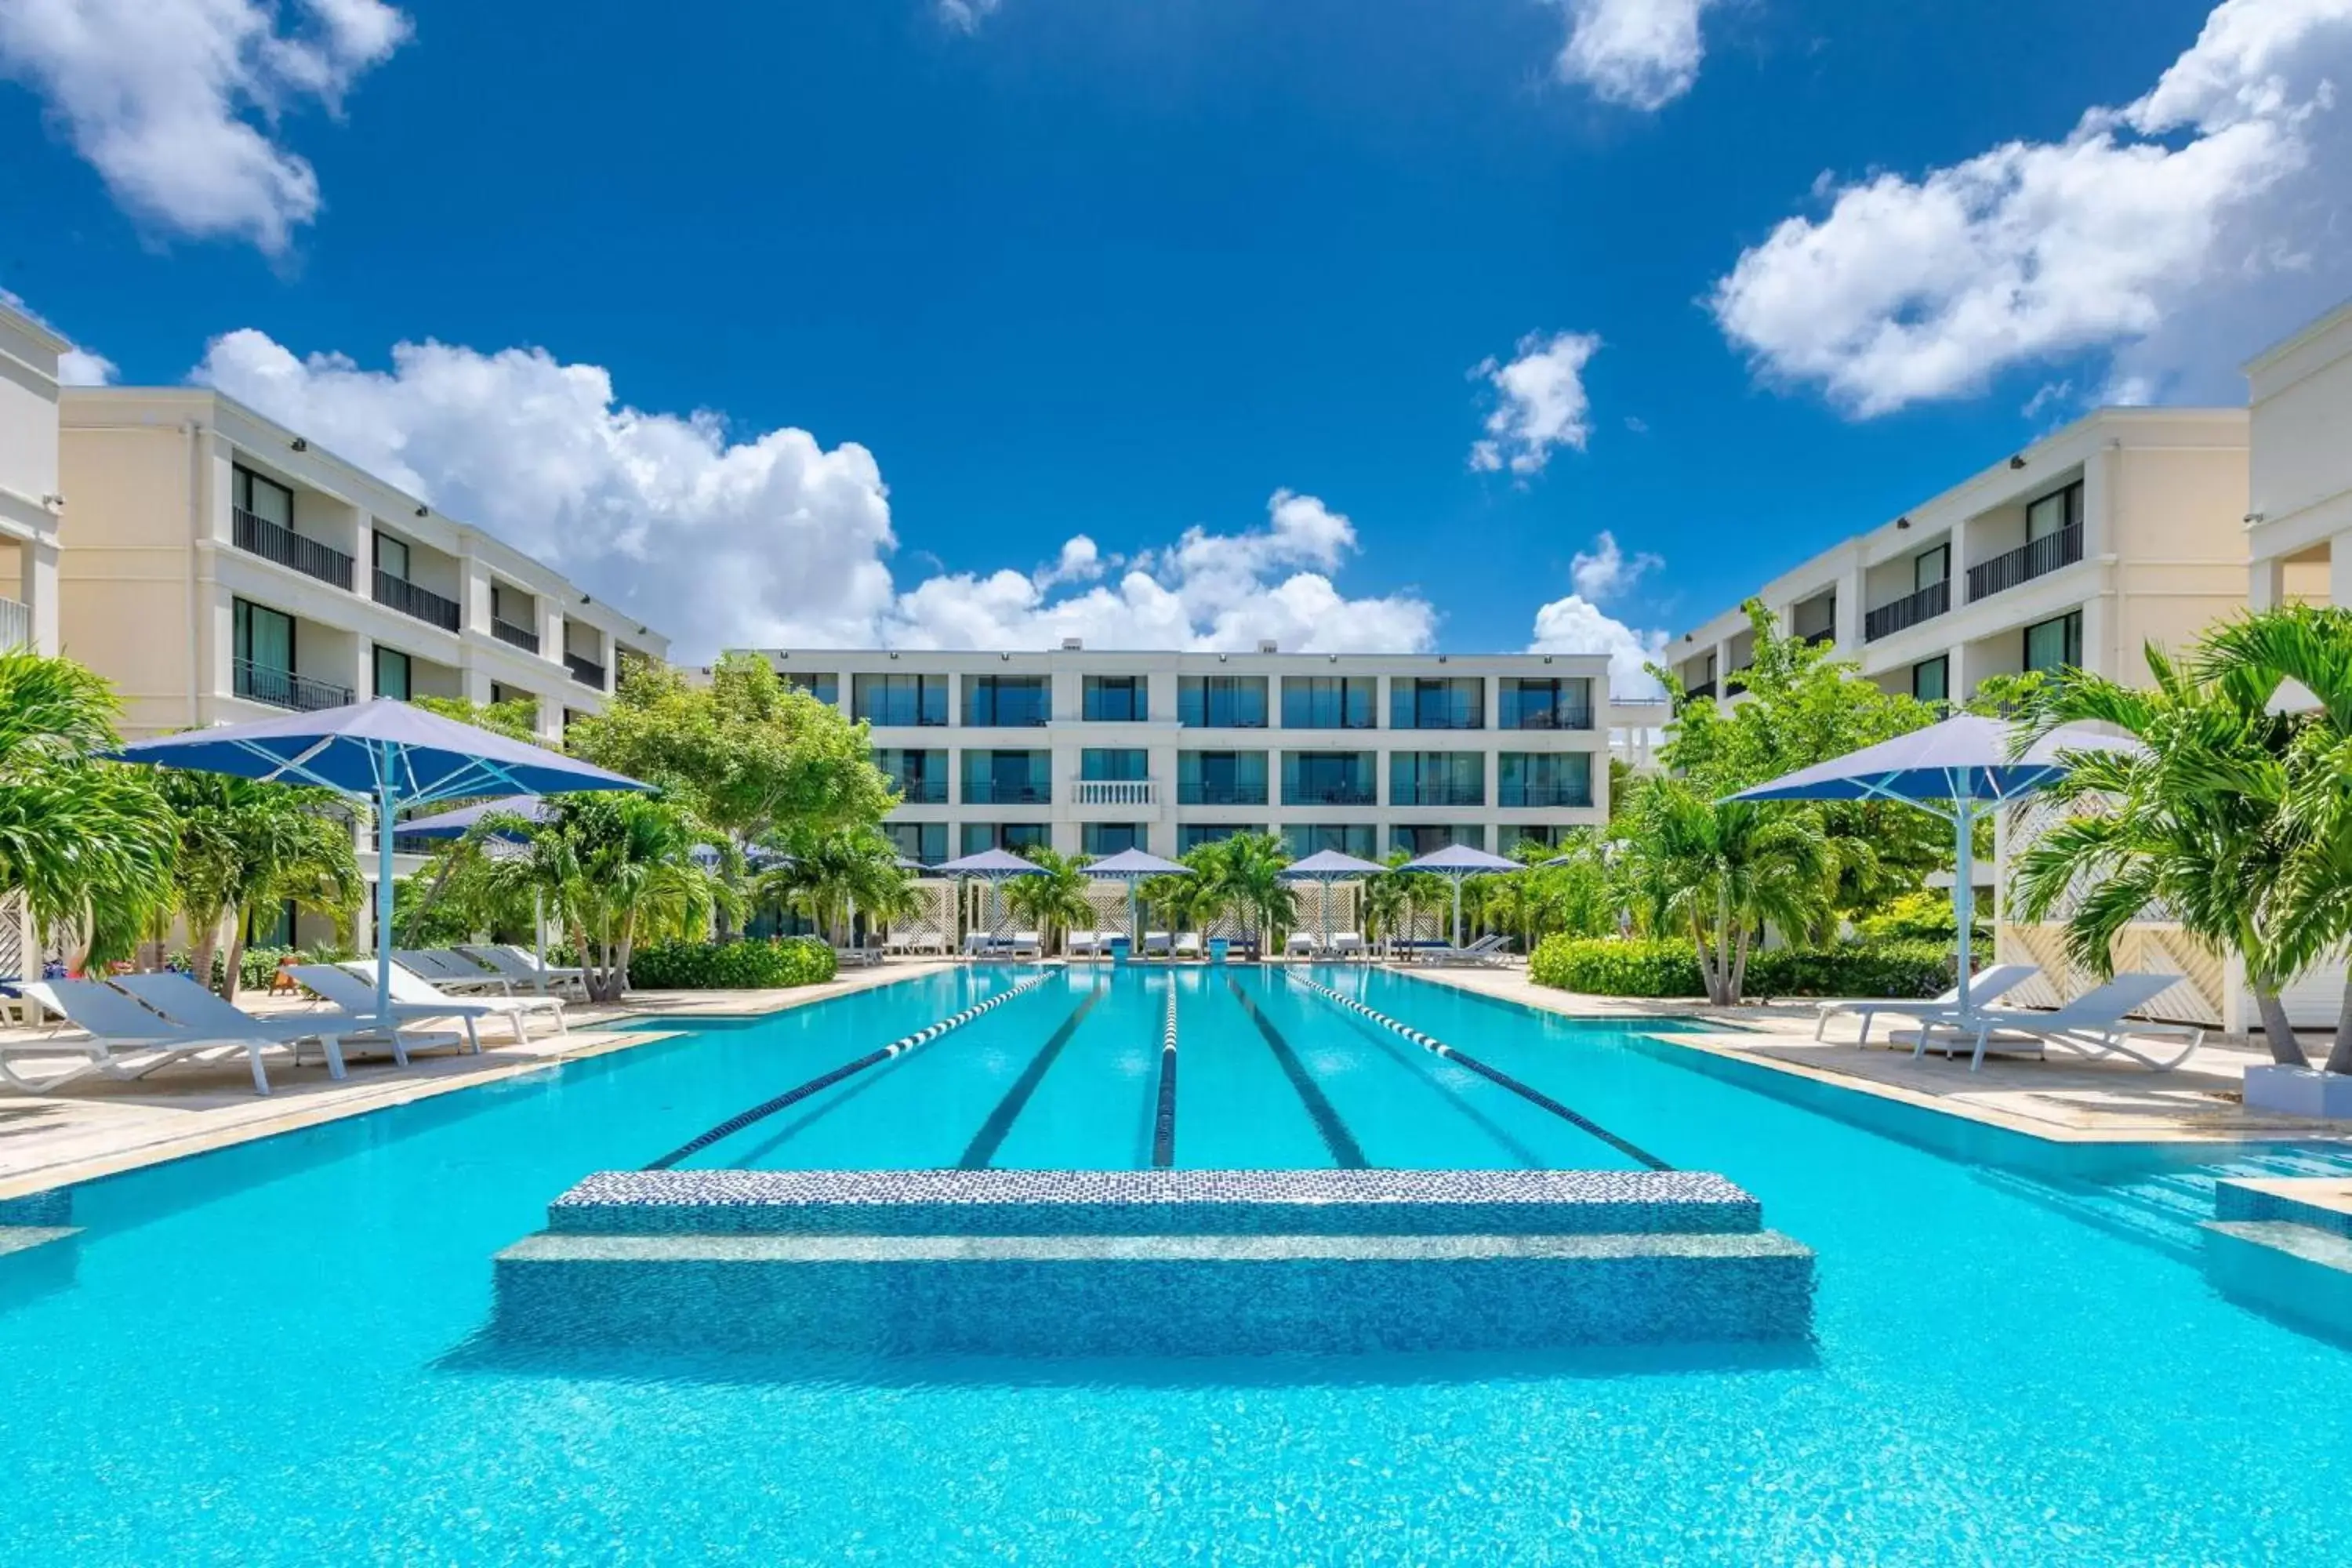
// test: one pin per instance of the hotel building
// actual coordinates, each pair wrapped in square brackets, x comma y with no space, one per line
[1093,753]
[29,499]
[2299,523]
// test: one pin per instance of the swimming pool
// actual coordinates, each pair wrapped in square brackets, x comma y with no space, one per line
[272,1355]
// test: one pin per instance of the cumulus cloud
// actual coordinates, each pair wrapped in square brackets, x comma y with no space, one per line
[1606,571]
[1576,625]
[966,15]
[1643,54]
[181,105]
[1540,403]
[776,539]
[2175,232]
[78,366]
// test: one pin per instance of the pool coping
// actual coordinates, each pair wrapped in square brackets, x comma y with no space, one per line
[607,1035]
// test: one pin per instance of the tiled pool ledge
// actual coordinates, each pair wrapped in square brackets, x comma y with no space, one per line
[1152,1262]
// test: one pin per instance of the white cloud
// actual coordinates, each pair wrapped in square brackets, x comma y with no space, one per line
[776,539]
[2177,232]
[1643,54]
[1576,625]
[179,104]
[966,15]
[1540,403]
[76,366]
[1606,571]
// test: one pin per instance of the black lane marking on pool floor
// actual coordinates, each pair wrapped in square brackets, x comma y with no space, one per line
[1345,1152]
[1163,1122]
[992,1135]
[1495,1075]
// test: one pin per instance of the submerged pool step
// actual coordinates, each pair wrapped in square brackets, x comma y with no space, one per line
[1154,1202]
[1101,1295]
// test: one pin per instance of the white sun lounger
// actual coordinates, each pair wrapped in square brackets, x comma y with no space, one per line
[1156,942]
[2092,1024]
[1302,945]
[1984,989]
[451,970]
[127,1040]
[179,999]
[355,994]
[1347,945]
[523,969]
[1486,950]
[1082,944]
[413,990]
[1187,946]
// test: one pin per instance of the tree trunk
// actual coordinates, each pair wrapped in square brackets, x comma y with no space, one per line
[1723,992]
[414,930]
[2285,1049]
[1740,970]
[203,941]
[2339,1054]
[233,964]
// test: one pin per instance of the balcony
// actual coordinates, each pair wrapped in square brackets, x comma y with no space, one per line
[522,638]
[274,541]
[1908,611]
[1549,719]
[2027,562]
[1220,794]
[1544,795]
[1330,794]
[586,671]
[283,688]
[424,603]
[1117,791]
[920,792]
[16,625]
[993,792]
[1706,688]
[1438,795]
[1449,719]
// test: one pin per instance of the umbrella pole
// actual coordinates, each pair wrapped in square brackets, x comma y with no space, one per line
[1964,890]
[1457,911]
[383,887]
[538,935]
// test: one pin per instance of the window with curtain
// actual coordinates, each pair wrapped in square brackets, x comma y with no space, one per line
[923,841]
[263,637]
[1557,779]
[1192,834]
[2054,513]
[1437,778]
[1220,702]
[1304,839]
[1931,682]
[1427,838]
[1007,702]
[1329,701]
[1220,778]
[265,499]
[920,776]
[1009,836]
[2055,644]
[1452,703]
[1328,778]
[1545,834]
[392,556]
[1117,699]
[1101,838]
[1546,704]
[903,700]
[392,673]
[824,686]
[1008,778]
[1930,567]
[1114,764]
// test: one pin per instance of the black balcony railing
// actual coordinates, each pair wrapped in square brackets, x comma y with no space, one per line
[1542,795]
[2025,563]
[586,671]
[993,792]
[275,541]
[1438,795]
[1562,718]
[1908,611]
[905,715]
[1451,719]
[1819,638]
[400,593]
[1220,794]
[1330,794]
[1706,688]
[522,638]
[284,688]
[923,792]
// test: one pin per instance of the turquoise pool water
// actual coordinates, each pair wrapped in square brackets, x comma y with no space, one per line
[267,1355]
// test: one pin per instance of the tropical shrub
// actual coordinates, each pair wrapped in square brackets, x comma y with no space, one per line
[753,964]
[256,964]
[1611,967]
[1916,917]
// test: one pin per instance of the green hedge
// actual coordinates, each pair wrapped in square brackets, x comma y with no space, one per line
[1609,967]
[751,965]
[256,964]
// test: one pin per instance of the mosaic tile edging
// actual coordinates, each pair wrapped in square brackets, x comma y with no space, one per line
[1154,1201]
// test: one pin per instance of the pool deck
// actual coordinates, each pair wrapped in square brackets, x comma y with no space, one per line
[97,1126]
[2065,1099]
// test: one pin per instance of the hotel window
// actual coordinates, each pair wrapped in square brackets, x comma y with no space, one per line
[919,777]
[392,673]
[1328,778]
[1543,835]
[1008,778]
[1544,779]
[1428,838]
[1301,840]
[265,499]
[1330,702]
[923,841]
[1931,682]
[1190,836]
[1437,778]
[1445,704]
[901,699]
[1220,778]
[1011,836]
[1122,764]
[263,653]
[2054,513]
[1220,702]
[1550,704]
[1007,702]
[392,556]
[1101,838]
[825,687]
[2055,644]
[1930,567]
[1117,699]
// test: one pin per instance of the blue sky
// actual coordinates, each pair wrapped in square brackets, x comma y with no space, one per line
[841,321]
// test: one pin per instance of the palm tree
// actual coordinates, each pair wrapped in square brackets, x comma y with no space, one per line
[1397,892]
[2194,823]
[245,847]
[838,875]
[1243,875]
[1056,902]
[1729,869]
[615,869]
[1182,903]
[2309,910]
[86,843]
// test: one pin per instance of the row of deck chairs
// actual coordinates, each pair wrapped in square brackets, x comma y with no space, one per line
[136,1024]
[2095,1024]
[489,966]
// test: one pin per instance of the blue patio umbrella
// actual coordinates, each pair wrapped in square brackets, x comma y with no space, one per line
[1324,868]
[993,866]
[387,754]
[1954,769]
[1457,863]
[1131,866]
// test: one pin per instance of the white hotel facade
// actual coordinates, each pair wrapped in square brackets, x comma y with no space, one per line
[1094,752]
